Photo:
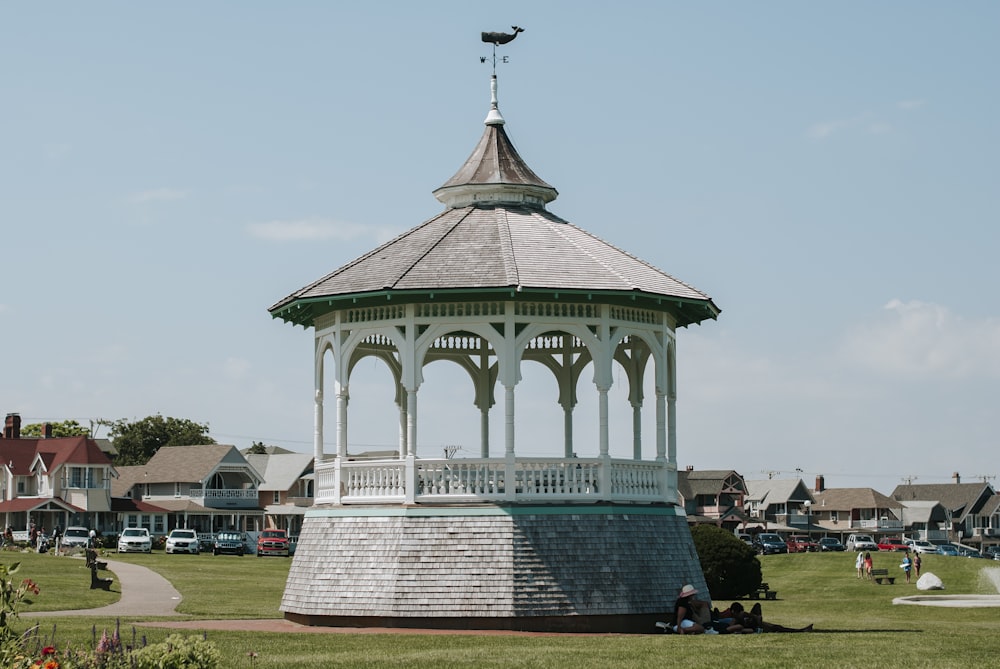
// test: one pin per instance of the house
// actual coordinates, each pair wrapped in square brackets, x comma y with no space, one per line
[778,505]
[208,488]
[286,489]
[969,505]
[53,481]
[843,510]
[712,496]
[927,520]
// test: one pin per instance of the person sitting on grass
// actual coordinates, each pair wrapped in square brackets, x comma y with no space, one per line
[685,612]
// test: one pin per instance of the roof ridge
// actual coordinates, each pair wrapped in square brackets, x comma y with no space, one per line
[437,242]
[507,248]
[633,257]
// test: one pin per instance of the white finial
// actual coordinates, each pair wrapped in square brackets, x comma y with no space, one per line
[494,117]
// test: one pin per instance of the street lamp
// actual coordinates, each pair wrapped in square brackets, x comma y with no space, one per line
[808,505]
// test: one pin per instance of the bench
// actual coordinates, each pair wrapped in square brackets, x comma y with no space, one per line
[92,560]
[764,591]
[98,583]
[879,575]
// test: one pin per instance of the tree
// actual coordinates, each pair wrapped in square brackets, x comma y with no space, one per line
[67,428]
[731,569]
[258,448]
[137,441]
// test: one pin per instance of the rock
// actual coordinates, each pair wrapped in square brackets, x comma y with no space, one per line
[929,582]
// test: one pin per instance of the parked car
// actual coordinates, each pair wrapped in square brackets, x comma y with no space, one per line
[75,537]
[965,551]
[992,551]
[273,542]
[800,543]
[921,546]
[827,544]
[768,543]
[745,538]
[182,541]
[861,542]
[135,540]
[230,543]
[892,544]
[947,549]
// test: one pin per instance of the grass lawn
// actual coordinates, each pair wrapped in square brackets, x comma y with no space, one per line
[857,624]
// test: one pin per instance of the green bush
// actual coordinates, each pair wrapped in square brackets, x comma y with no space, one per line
[731,569]
[178,652]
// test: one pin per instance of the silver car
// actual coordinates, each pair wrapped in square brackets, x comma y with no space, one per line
[75,537]
[182,541]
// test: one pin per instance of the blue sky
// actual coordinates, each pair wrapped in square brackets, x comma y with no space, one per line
[827,172]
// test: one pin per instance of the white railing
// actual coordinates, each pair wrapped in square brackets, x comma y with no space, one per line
[430,481]
[225,497]
[877,524]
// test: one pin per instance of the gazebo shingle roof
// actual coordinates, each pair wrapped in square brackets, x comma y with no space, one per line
[496,235]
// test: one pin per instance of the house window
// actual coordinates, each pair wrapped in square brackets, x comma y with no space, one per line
[75,477]
[177,489]
[159,524]
[20,487]
[145,522]
[131,520]
[276,497]
[835,516]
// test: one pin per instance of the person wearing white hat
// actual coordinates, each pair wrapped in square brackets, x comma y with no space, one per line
[684,611]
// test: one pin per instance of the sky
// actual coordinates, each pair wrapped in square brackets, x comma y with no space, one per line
[827,172]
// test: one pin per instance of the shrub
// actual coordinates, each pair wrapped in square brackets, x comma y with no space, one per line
[731,569]
[178,652]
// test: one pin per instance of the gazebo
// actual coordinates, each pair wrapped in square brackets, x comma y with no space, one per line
[575,541]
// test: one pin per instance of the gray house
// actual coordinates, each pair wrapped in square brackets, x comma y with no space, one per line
[208,488]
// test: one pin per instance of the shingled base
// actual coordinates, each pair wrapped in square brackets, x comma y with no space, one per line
[566,568]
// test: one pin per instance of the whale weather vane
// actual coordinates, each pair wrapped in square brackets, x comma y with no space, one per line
[496,39]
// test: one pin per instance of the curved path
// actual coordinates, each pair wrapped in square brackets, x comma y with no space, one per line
[144,593]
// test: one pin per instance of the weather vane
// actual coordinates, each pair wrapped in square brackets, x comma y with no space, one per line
[499,38]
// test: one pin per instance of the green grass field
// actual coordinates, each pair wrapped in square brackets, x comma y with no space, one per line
[856,623]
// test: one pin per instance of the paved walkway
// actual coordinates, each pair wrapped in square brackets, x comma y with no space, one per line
[144,593]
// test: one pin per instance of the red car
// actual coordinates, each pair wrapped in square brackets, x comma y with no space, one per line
[799,543]
[892,544]
[273,542]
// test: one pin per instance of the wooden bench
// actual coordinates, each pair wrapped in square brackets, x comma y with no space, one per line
[879,575]
[764,591]
[92,560]
[98,583]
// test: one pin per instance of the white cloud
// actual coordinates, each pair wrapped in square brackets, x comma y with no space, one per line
[157,195]
[311,229]
[922,339]
[911,104]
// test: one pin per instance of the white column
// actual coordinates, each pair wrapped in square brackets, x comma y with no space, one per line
[508,405]
[484,432]
[318,425]
[636,431]
[661,425]
[342,397]
[602,422]
[483,391]
[411,421]
[402,425]
[568,431]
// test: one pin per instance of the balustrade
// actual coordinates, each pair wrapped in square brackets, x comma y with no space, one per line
[429,481]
